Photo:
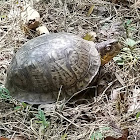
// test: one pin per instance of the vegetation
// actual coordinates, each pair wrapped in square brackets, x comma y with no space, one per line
[115,109]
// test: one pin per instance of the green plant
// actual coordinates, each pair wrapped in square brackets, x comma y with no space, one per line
[138,115]
[22,106]
[64,137]
[4,93]
[128,27]
[130,53]
[42,120]
[98,135]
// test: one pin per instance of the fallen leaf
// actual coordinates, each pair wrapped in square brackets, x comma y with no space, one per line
[30,17]
[18,138]
[135,104]
[111,138]
[124,136]
[90,36]
[119,79]
[90,10]
[136,5]
[115,94]
[15,138]
[2,138]
[42,30]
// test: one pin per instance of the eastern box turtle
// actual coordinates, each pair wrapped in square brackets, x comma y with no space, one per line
[47,63]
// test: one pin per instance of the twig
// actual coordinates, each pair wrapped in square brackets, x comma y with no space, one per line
[5,34]
[109,85]
[67,119]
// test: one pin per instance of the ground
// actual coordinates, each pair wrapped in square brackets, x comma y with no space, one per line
[110,113]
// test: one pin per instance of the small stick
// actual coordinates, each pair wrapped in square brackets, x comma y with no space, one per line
[67,119]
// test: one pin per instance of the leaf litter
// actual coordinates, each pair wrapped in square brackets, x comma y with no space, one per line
[83,118]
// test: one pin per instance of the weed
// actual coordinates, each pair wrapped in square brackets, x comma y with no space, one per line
[42,119]
[22,106]
[98,135]
[138,115]
[64,137]
[4,93]
[130,53]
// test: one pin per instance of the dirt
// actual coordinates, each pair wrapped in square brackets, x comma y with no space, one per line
[107,114]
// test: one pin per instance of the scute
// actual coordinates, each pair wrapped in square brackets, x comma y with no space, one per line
[47,63]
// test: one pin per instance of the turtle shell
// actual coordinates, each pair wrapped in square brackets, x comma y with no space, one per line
[52,66]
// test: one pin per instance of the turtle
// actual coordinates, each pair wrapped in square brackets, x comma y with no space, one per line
[56,66]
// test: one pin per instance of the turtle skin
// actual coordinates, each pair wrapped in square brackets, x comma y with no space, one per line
[51,67]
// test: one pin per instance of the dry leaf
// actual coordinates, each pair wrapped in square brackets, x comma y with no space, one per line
[136,5]
[124,136]
[42,30]
[90,36]
[90,10]
[30,17]
[111,138]
[135,105]
[47,107]
[115,94]
[18,138]
[2,138]
[119,79]
[111,29]
[14,12]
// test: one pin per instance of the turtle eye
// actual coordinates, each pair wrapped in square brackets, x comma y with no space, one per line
[108,47]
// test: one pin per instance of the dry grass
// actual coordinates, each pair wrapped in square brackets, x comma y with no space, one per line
[80,119]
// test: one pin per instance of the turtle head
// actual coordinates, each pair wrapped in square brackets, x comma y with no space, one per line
[108,49]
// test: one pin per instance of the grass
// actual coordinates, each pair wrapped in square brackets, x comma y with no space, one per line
[4,93]
[81,119]
[130,52]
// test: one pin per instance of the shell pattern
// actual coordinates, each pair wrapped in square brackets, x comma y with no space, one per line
[47,63]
